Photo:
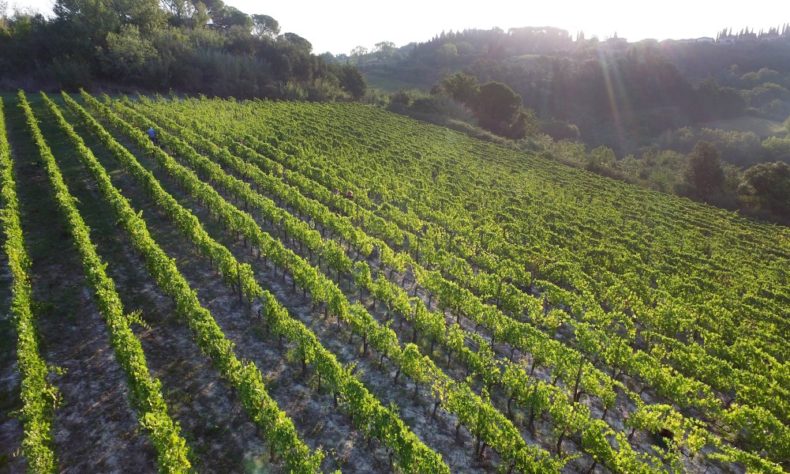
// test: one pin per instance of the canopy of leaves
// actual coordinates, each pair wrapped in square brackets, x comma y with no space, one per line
[704,173]
[187,45]
[769,184]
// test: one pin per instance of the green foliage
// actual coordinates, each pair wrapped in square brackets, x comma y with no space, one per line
[738,147]
[523,124]
[761,76]
[497,431]
[684,390]
[351,80]
[265,26]
[447,52]
[630,97]
[662,170]
[461,87]
[701,347]
[514,267]
[777,148]
[71,73]
[600,158]
[146,393]
[209,336]
[127,53]
[227,17]
[97,18]
[184,45]
[704,173]
[757,429]
[719,102]
[39,397]
[769,185]
[496,106]
[540,267]
[560,130]
[296,42]
[367,412]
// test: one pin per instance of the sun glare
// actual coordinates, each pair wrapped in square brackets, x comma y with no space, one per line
[340,26]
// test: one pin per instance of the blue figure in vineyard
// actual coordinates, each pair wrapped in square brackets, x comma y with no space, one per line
[152,135]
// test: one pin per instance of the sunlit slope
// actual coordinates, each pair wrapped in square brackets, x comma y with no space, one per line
[629,248]
[316,287]
[674,313]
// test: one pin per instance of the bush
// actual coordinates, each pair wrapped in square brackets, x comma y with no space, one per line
[71,74]
[704,174]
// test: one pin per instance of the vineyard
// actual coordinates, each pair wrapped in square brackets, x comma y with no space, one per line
[305,287]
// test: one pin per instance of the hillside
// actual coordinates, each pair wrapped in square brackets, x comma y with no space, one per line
[635,111]
[303,287]
[620,94]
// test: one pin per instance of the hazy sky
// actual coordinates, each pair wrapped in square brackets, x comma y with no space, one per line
[338,26]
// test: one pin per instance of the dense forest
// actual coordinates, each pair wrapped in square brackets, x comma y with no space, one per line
[183,45]
[634,111]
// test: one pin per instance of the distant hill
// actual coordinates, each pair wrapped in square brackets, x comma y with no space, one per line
[620,94]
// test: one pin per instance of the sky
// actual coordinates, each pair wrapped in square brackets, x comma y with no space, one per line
[340,25]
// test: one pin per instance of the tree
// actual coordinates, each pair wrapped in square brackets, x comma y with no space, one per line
[704,174]
[186,13]
[264,26]
[383,46]
[769,186]
[297,41]
[187,45]
[358,51]
[200,17]
[351,80]
[715,101]
[103,16]
[214,6]
[777,148]
[560,129]
[91,20]
[461,87]
[228,17]
[524,123]
[384,49]
[497,106]
[600,158]
[447,52]
[179,11]
[126,53]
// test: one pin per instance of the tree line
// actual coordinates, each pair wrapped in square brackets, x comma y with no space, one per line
[183,45]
